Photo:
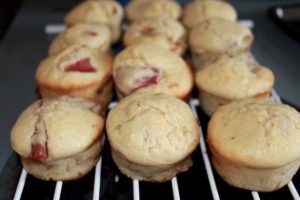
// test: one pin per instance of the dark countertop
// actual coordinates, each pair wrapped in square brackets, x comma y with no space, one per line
[25,45]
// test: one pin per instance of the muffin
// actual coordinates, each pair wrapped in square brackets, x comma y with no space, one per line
[231,78]
[59,139]
[218,36]
[152,69]
[152,136]
[93,35]
[106,12]
[163,32]
[198,11]
[136,10]
[255,144]
[76,71]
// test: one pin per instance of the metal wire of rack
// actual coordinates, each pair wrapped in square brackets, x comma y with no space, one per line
[194,104]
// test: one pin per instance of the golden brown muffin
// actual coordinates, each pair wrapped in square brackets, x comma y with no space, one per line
[93,35]
[136,10]
[76,71]
[106,12]
[152,69]
[163,32]
[214,37]
[255,144]
[59,139]
[152,136]
[231,78]
[197,11]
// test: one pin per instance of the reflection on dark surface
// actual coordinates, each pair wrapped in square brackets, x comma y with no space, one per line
[288,18]
[8,9]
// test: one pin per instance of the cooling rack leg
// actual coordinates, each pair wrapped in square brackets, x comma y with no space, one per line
[255,195]
[210,175]
[20,186]
[58,188]
[293,191]
[175,189]
[97,180]
[136,190]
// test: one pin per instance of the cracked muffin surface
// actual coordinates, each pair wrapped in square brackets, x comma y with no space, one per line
[152,136]
[197,11]
[218,37]
[149,68]
[256,133]
[136,10]
[105,12]
[59,138]
[152,129]
[77,71]
[164,32]
[234,77]
[69,125]
[93,35]
[255,144]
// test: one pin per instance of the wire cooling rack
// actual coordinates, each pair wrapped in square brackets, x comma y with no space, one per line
[98,188]
[105,181]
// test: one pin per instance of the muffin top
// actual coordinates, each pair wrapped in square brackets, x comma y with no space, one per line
[93,35]
[150,68]
[235,77]
[97,11]
[57,128]
[219,36]
[73,68]
[198,11]
[152,129]
[164,32]
[136,10]
[255,133]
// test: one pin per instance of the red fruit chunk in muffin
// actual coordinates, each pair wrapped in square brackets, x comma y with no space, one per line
[137,77]
[39,152]
[147,30]
[91,33]
[149,80]
[83,65]
[39,149]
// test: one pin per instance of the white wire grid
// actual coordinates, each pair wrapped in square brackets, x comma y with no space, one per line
[194,103]
[58,28]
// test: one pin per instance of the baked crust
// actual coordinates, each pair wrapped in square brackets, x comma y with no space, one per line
[150,68]
[67,169]
[59,138]
[218,36]
[197,11]
[150,173]
[153,132]
[164,32]
[136,10]
[258,139]
[99,11]
[235,77]
[93,35]
[76,71]
[231,78]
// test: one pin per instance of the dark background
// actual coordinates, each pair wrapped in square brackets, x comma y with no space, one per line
[23,44]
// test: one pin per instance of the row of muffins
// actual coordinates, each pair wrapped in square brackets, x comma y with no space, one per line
[245,135]
[160,125]
[254,81]
[155,40]
[152,133]
[60,137]
[79,70]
